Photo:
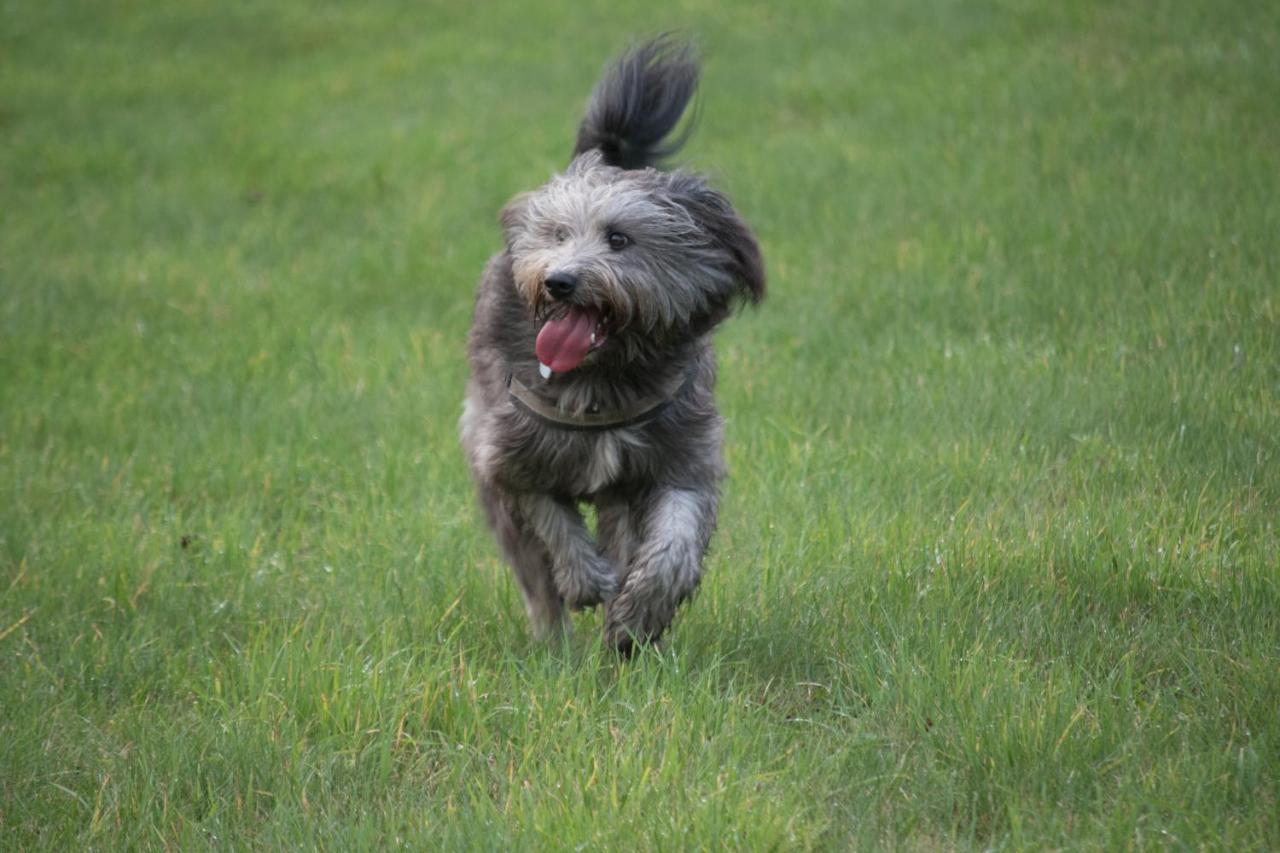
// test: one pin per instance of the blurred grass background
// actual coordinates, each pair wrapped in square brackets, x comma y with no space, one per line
[997,564]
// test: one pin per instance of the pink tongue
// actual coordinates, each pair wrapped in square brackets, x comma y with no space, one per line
[563,343]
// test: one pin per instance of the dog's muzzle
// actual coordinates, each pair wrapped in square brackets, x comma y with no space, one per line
[561,285]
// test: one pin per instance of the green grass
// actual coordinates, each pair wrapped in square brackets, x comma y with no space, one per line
[997,564]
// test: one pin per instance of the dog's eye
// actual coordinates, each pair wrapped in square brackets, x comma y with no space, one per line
[618,240]
[562,233]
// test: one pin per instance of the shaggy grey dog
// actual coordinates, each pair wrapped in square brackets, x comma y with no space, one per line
[592,372]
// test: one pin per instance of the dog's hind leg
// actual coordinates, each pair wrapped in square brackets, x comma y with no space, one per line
[530,562]
[665,566]
[583,575]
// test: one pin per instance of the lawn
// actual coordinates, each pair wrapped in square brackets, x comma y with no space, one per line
[997,564]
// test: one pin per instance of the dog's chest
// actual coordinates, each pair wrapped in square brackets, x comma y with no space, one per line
[603,462]
[582,463]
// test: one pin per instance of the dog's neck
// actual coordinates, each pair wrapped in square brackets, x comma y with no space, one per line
[596,401]
[644,409]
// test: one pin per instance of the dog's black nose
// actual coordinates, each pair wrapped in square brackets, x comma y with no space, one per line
[561,284]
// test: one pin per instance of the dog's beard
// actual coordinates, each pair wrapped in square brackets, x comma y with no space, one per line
[634,307]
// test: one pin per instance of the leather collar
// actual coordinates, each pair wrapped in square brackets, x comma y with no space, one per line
[642,410]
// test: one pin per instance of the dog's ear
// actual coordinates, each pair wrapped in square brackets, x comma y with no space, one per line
[713,212]
[513,217]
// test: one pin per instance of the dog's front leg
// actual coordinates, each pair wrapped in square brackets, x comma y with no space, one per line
[665,567]
[583,575]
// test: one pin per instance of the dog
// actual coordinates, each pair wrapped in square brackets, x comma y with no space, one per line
[592,369]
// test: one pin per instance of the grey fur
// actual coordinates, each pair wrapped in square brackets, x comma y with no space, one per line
[690,260]
[637,104]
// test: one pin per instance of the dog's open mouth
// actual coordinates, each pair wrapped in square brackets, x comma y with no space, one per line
[565,340]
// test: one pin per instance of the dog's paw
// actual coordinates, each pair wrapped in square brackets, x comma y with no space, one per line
[636,618]
[594,581]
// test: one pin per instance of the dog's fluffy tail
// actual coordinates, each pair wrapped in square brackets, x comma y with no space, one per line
[638,102]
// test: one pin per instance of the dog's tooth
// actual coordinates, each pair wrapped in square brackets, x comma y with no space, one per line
[593,337]
[545,370]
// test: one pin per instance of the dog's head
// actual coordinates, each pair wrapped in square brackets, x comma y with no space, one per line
[614,261]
